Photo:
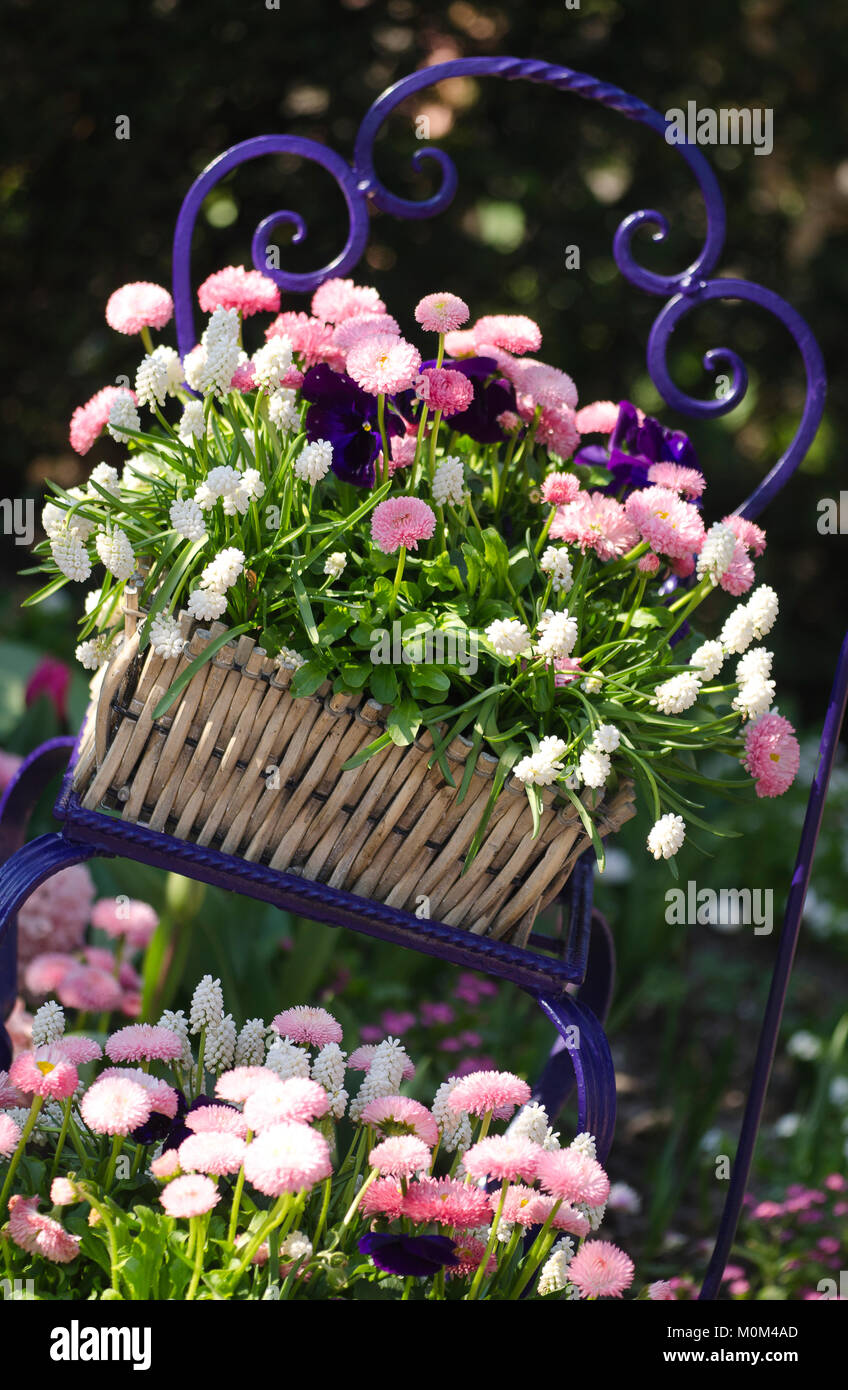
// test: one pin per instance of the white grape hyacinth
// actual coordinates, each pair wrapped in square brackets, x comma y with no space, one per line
[206,605]
[314,461]
[762,608]
[557,634]
[192,422]
[755,697]
[210,366]
[449,482]
[187,519]
[544,766]
[716,553]
[97,651]
[70,554]
[123,416]
[707,660]
[250,1044]
[48,1024]
[509,638]
[666,836]
[677,694]
[555,562]
[271,362]
[207,1005]
[607,738]
[334,564]
[104,476]
[222,572]
[116,552]
[756,662]
[282,410]
[159,375]
[166,638]
[595,767]
[738,632]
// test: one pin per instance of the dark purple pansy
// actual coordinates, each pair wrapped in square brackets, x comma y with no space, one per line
[491,398]
[171,1133]
[632,448]
[409,1255]
[345,415]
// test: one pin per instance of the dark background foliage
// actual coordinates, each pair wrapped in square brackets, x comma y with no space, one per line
[83,211]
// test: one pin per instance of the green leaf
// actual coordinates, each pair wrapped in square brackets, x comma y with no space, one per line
[53,587]
[335,625]
[384,685]
[355,673]
[588,823]
[304,608]
[307,678]
[193,667]
[171,586]
[363,754]
[404,722]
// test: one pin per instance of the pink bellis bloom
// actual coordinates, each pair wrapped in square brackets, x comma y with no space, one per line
[401,521]
[337,300]
[383,365]
[482,1091]
[38,1234]
[130,918]
[146,1041]
[601,1270]
[444,390]
[115,1105]
[191,1195]
[45,1072]
[287,1158]
[401,1115]
[306,1024]
[442,312]
[595,522]
[502,1156]
[139,305]
[89,421]
[668,524]
[249,291]
[772,754]
[400,1156]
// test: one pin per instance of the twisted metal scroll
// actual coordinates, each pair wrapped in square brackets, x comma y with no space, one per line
[684,291]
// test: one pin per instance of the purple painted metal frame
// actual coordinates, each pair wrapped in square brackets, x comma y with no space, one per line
[581,1044]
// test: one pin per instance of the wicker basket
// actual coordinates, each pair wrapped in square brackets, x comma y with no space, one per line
[238,764]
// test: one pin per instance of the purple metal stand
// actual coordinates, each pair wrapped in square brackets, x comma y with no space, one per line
[780,978]
[550,970]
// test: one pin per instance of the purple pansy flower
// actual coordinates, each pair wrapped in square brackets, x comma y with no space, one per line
[409,1255]
[345,415]
[632,448]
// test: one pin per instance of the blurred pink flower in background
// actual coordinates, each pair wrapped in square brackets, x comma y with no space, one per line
[9,764]
[51,678]
[55,916]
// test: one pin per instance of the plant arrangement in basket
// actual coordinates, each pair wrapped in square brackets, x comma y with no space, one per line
[200,1161]
[440,529]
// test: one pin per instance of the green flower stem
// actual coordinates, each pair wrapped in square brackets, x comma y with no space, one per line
[440,351]
[474,1291]
[234,1213]
[276,1215]
[112,1240]
[508,1256]
[692,597]
[635,605]
[322,1217]
[140,1151]
[536,1254]
[199,1223]
[63,1134]
[76,1140]
[381,425]
[146,338]
[201,1048]
[431,457]
[117,1145]
[37,1102]
[398,578]
[545,529]
[422,424]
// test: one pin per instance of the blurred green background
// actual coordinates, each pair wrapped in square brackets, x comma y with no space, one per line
[82,212]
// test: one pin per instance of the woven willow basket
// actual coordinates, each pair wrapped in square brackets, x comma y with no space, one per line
[240,765]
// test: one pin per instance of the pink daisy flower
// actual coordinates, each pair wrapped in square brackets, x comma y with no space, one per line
[470,1252]
[572,1177]
[671,475]
[316,343]
[403,451]
[45,972]
[668,524]
[287,1158]
[556,430]
[481,1091]
[356,330]
[163,1098]
[512,332]
[400,1115]
[305,1024]
[296,1099]
[509,421]
[44,1072]
[337,300]
[130,918]
[89,421]
[400,1156]
[600,417]
[362,1057]
[62,1192]
[772,754]
[383,365]
[92,990]
[648,564]
[752,537]
[502,1156]
[144,1040]
[544,385]
[683,567]
[115,1105]
[444,390]
[441,313]
[167,1165]
[739,575]
[661,1291]
[139,305]
[566,1218]
[241,1082]
[40,1235]
[9,1094]
[244,377]
[78,1049]
[216,1119]
[558,489]
[601,1270]
[447,1202]
[461,343]
[192,1195]
[249,291]
[383,1198]
[10,1134]
[595,522]
[215,1154]
[55,916]
[401,521]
